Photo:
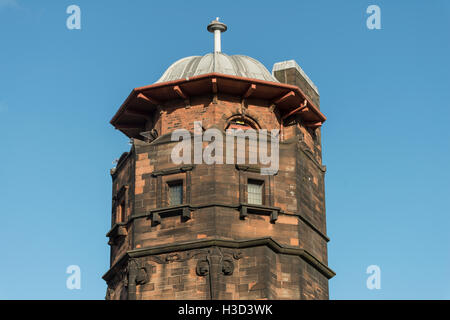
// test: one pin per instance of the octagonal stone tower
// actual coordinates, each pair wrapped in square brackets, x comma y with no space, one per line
[222,230]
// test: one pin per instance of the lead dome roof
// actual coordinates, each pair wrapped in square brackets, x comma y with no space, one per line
[218,62]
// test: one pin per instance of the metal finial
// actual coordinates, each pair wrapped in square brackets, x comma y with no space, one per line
[217,28]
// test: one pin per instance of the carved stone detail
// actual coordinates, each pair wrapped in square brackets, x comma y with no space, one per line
[202,267]
[140,272]
[227,266]
[177,257]
[226,262]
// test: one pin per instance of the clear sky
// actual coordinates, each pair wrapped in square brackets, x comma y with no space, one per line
[386,142]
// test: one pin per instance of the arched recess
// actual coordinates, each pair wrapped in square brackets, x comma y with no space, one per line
[242,122]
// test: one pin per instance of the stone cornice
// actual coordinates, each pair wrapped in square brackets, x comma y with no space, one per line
[224,243]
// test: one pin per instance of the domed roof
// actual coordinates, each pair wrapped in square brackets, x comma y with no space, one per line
[235,65]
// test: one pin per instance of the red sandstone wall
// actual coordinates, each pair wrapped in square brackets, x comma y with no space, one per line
[297,189]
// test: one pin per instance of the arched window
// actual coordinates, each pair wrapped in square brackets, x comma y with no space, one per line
[240,122]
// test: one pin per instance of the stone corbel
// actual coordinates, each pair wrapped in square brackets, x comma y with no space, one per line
[245,209]
[184,210]
[118,231]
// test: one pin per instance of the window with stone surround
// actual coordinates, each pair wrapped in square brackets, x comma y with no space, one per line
[120,205]
[255,192]
[175,193]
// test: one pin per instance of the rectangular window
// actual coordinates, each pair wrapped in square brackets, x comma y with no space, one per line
[255,192]
[175,193]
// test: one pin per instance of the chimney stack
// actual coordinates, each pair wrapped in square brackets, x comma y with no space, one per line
[290,72]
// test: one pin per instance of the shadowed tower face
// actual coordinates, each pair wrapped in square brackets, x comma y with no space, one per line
[226,229]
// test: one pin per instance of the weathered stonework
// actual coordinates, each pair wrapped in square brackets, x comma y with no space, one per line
[215,245]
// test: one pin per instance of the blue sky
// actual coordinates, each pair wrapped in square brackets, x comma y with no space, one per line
[386,142]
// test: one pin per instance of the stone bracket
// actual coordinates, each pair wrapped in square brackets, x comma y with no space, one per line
[246,208]
[117,231]
[224,243]
[184,210]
